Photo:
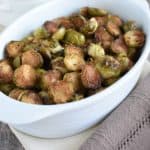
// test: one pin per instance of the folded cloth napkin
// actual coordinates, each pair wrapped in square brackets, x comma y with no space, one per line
[8,140]
[127,127]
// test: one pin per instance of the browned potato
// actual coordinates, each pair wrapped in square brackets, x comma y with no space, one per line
[6,72]
[61,91]
[17,93]
[25,76]
[115,19]
[90,77]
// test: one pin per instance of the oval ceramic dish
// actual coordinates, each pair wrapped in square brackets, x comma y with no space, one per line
[63,120]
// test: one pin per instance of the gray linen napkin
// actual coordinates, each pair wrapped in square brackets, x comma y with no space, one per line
[127,127]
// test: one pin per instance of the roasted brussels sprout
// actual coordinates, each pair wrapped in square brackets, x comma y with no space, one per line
[90,77]
[109,81]
[17,93]
[96,12]
[90,27]
[134,38]
[129,25]
[70,58]
[113,29]
[50,26]
[78,21]
[64,22]
[55,46]
[40,33]
[59,34]
[74,62]
[61,91]
[118,46]
[16,62]
[32,58]
[102,21]
[49,78]
[31,97]
[58,64]
[6,87]
[132,53]
[14,48]
[70,49]
[96,51]
[25,76]
[109,68]
[74,37]
[84,11]
[45,98]
[6,72]
[101,35]
[116,20]
[74,78]
[125,62]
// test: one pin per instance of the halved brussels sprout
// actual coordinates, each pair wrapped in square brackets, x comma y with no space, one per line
[55,46]
[90,77]
[40,33]
[49,78]
[71,49]
[31,97]
[61,92]
[118,46]
[74,78]
[59,34]
[6,72]
[109,81]
[90,27]
[74,62]
[129,25]
[16,62]
[134,38]
[109,68]
[50,26]
[32,58]
[113,29]
[74,37]
[101,35]
[14,48]
[125,62]
[96,12]
[6,88]
[25,76]
[96,51]
[78,21]
[115,19]
[17,93]
[58,64]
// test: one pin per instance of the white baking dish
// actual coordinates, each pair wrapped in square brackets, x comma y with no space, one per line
[71,118]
